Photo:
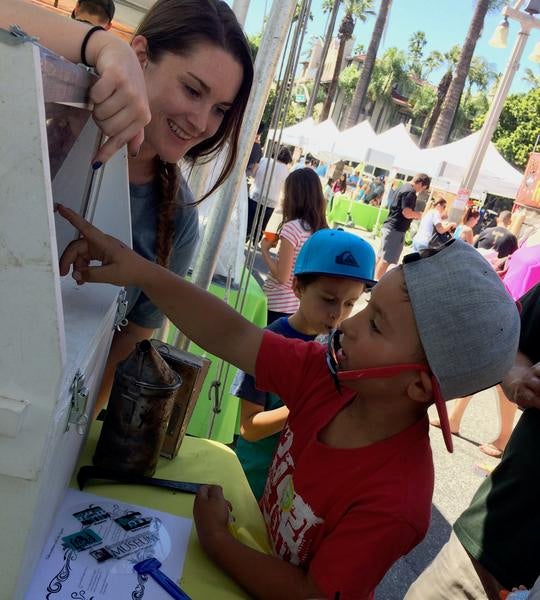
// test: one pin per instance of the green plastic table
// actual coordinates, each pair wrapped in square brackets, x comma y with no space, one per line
[200,461]
[362,215]
[225,423]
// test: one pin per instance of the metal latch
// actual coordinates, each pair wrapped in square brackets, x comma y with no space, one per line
[79,399]
[15,36]
[121,310]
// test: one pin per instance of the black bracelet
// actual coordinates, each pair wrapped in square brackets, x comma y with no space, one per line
[87,37]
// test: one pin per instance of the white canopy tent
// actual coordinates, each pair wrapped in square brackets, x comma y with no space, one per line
[299,134]
[384,148]
[354,142]
[447,164]
[322,140]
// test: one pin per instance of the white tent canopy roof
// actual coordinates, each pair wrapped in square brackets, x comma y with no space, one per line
[322,140]
[386,146]
[352,144]
[296,135]
[451,161]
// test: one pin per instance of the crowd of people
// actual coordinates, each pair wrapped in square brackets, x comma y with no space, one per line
[334,436]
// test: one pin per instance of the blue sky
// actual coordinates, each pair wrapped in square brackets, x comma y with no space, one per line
[445,23]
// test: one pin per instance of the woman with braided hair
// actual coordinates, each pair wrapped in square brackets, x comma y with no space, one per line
[197,71]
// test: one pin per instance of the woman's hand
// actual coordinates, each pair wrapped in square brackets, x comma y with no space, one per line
[267,244]
[212,515]
[120,100]
[119,264]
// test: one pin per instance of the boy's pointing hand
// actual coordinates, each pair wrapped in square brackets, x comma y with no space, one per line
[119,264]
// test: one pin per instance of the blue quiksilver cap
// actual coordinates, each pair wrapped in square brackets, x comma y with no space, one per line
[337,253]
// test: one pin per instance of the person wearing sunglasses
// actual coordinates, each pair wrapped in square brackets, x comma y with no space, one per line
[327,291]
[350,487]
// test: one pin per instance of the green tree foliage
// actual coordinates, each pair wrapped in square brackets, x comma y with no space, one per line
[390,72]
[254,42]
[295,112]
[354,10]
[518,127]
[347,82]
[531,78]
[423,100]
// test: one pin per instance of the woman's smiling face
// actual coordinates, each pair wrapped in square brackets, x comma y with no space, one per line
[188,95]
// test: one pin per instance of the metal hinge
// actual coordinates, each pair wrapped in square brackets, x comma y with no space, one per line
[121,310]
[79,399]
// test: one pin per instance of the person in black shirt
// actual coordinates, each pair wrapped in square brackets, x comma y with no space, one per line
[256,153]
[400,216]
[499,238]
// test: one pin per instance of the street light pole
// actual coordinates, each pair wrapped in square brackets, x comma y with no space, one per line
[527,22]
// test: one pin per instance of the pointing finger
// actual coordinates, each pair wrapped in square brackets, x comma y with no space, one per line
[88,230]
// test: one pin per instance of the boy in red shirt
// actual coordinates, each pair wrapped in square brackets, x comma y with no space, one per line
[350,487]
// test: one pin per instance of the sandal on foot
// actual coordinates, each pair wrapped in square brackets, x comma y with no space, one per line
[491,450]
[437,423]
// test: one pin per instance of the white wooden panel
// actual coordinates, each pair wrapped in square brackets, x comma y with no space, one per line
[51,328]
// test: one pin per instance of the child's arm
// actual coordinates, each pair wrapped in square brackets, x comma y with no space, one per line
[263,576]
[205,319]
[280,267]
[257,423]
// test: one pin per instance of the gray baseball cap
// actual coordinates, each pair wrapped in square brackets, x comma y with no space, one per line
[468,323]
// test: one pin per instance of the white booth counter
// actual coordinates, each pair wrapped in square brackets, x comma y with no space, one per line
[55,335]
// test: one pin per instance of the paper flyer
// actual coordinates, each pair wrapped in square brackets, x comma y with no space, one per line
[94,544]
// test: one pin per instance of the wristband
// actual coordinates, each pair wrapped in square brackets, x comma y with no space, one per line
[85,41]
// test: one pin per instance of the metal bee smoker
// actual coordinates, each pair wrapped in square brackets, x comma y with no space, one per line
[139,408]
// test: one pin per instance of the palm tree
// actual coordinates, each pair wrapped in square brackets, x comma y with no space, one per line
[434,60]
[354,9]
[360,94]
[334,7]
[389,74]
[455,90]
[531,78]
[417,43]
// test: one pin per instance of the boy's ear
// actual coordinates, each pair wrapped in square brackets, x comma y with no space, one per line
[297,288]
[140,47]
[421,389]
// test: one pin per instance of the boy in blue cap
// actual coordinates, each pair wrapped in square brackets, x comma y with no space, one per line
[327,290]
[350,486]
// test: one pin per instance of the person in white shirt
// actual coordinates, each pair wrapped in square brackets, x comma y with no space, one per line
[273,187]
[432,220]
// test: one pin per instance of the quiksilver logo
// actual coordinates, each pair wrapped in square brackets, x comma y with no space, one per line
[346,258]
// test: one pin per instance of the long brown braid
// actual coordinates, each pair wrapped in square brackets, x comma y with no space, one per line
[169,185]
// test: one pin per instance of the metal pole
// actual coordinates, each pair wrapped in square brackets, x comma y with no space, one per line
[324,54]
[469,179]
[527,22]
[240,9]
[275,33]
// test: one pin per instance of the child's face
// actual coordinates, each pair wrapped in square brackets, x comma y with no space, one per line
[326,302]
[384,333]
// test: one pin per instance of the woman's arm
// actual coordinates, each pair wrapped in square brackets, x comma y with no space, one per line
[120,102]
[280,267]
[257,423]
